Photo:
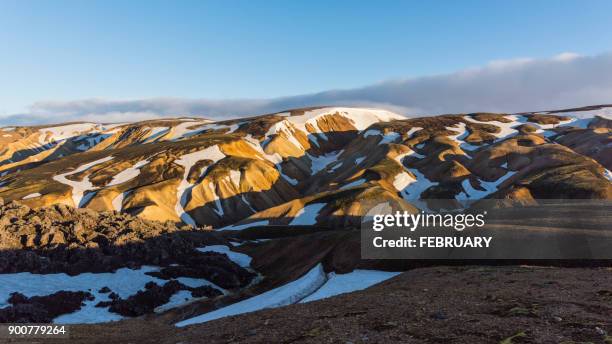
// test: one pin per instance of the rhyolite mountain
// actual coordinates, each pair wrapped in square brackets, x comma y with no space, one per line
[186,220]
[307,166]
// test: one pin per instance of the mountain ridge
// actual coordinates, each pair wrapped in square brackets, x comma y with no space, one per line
[273,167]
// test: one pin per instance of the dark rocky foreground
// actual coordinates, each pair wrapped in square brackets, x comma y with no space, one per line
[460,304]
[61,239]
[470,304]
[41,309]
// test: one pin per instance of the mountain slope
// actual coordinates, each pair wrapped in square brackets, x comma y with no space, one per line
[315,164]
[283,192]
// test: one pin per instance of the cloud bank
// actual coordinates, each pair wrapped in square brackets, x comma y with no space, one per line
[566,80]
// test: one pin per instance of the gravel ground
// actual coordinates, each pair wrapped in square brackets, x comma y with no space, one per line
[469,304]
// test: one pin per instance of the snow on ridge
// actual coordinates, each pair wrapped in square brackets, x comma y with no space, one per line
[90,140]
[273,158]
[605,112]
[284,127]
[289,180]
[336,166]
[155,133]
[246,201]
[235,177]
[410,188]
[413,191]
[353,184]
[402,180]
[210,126]
[372,132]
[320,162]
[218,206]
[460,138]
[542,128]
[181,129]
[470,193]
[390,137]
[187,161]
[361,118]
[581,120]
[79,187]
[400,157]
[235,227]
[507,129]
[128,174]
[63,132]
[307,215]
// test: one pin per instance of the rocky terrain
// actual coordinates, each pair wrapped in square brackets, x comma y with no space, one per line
[470,304]
[61,239]
[309,166]
[176,224]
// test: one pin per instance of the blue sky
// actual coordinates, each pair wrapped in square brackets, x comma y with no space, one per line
[67,50]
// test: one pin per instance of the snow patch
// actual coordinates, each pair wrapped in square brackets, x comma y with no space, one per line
[402,180]
[128,173]
[460,138]
[469,193]
[61,133]
[287,294]
[80,187]
[290,180]
[390,137]
[307,215]
[117,202]
[244,225]
[353,184]
[320,162]
[361,118]
[273,158]
[506,129]
[345,283]
[182,129]
[155,133]
[239,258]
[124,282]
[184,189]
[413,190]
[32,195]
[235,177]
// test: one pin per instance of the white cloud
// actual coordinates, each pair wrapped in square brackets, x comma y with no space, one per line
[525,84]
[566,56]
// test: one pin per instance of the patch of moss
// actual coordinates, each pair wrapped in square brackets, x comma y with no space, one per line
[509,340]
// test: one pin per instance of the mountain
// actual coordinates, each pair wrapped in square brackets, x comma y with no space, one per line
[307,166]
[186,220]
